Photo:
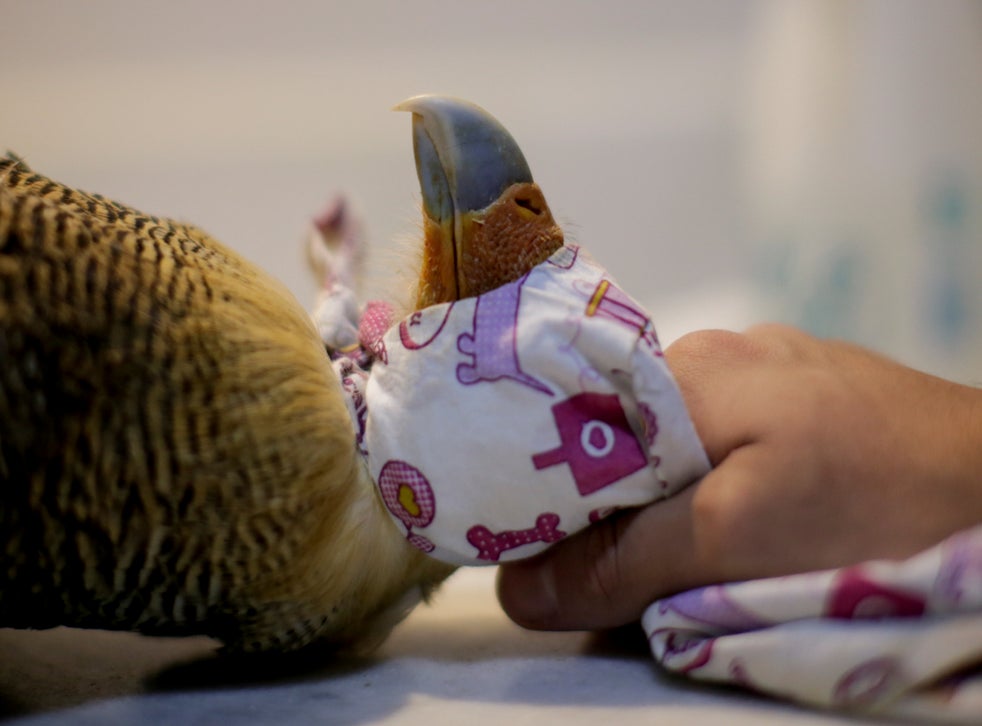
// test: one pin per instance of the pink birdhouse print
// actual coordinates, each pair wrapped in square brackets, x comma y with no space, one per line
[596,441]
[407,493]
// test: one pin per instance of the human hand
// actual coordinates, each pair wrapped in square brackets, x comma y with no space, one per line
[824,455]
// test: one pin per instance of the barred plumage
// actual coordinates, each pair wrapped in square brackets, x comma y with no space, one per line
[175,454]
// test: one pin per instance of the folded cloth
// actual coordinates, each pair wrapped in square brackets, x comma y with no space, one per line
[891,638]
[497,425]
[501,423]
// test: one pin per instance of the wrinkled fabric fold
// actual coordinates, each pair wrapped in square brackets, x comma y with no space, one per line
[503,423]
[498,425]
[891,638]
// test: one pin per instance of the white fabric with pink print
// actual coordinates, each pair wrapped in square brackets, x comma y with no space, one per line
[495,426]
[899,639]
[502,423]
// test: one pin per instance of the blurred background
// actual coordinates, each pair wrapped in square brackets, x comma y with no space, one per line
[729,161]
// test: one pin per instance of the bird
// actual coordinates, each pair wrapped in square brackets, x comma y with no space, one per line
[176,456]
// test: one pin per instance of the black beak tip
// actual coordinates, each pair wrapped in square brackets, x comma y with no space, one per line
[465,158]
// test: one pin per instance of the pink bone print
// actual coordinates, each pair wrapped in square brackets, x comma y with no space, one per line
[596,441]
[490,545]
[493,346]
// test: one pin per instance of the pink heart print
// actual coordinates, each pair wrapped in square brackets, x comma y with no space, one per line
[407,493]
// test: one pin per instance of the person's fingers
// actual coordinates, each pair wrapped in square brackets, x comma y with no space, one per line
[733,383]
[606,575]
[713,369]
[750,524]
[819,462]
[713,531]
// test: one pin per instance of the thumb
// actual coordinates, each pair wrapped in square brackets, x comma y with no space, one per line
[606,575]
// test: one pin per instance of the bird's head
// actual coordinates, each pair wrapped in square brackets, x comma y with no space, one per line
[485,222]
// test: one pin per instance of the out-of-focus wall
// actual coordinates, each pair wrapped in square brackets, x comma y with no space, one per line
[243,115]
[864,174]
[704,151]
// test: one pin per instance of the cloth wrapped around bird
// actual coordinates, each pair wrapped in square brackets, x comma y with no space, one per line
[497,425]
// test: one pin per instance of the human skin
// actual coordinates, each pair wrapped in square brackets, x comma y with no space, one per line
[824,454]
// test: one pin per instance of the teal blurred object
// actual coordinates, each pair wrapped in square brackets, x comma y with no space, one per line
[864,173]
[949,315]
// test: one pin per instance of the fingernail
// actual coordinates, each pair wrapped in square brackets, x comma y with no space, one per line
[527,592]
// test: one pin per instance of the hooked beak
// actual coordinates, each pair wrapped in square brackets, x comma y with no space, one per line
[474,180]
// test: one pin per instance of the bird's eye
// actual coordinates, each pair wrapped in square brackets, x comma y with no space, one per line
[528,204]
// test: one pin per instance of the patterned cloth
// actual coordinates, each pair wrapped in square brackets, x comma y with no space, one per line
[502,423]
[497,425]
[892,638]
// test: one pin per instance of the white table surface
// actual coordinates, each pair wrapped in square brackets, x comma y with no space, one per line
[457,661]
